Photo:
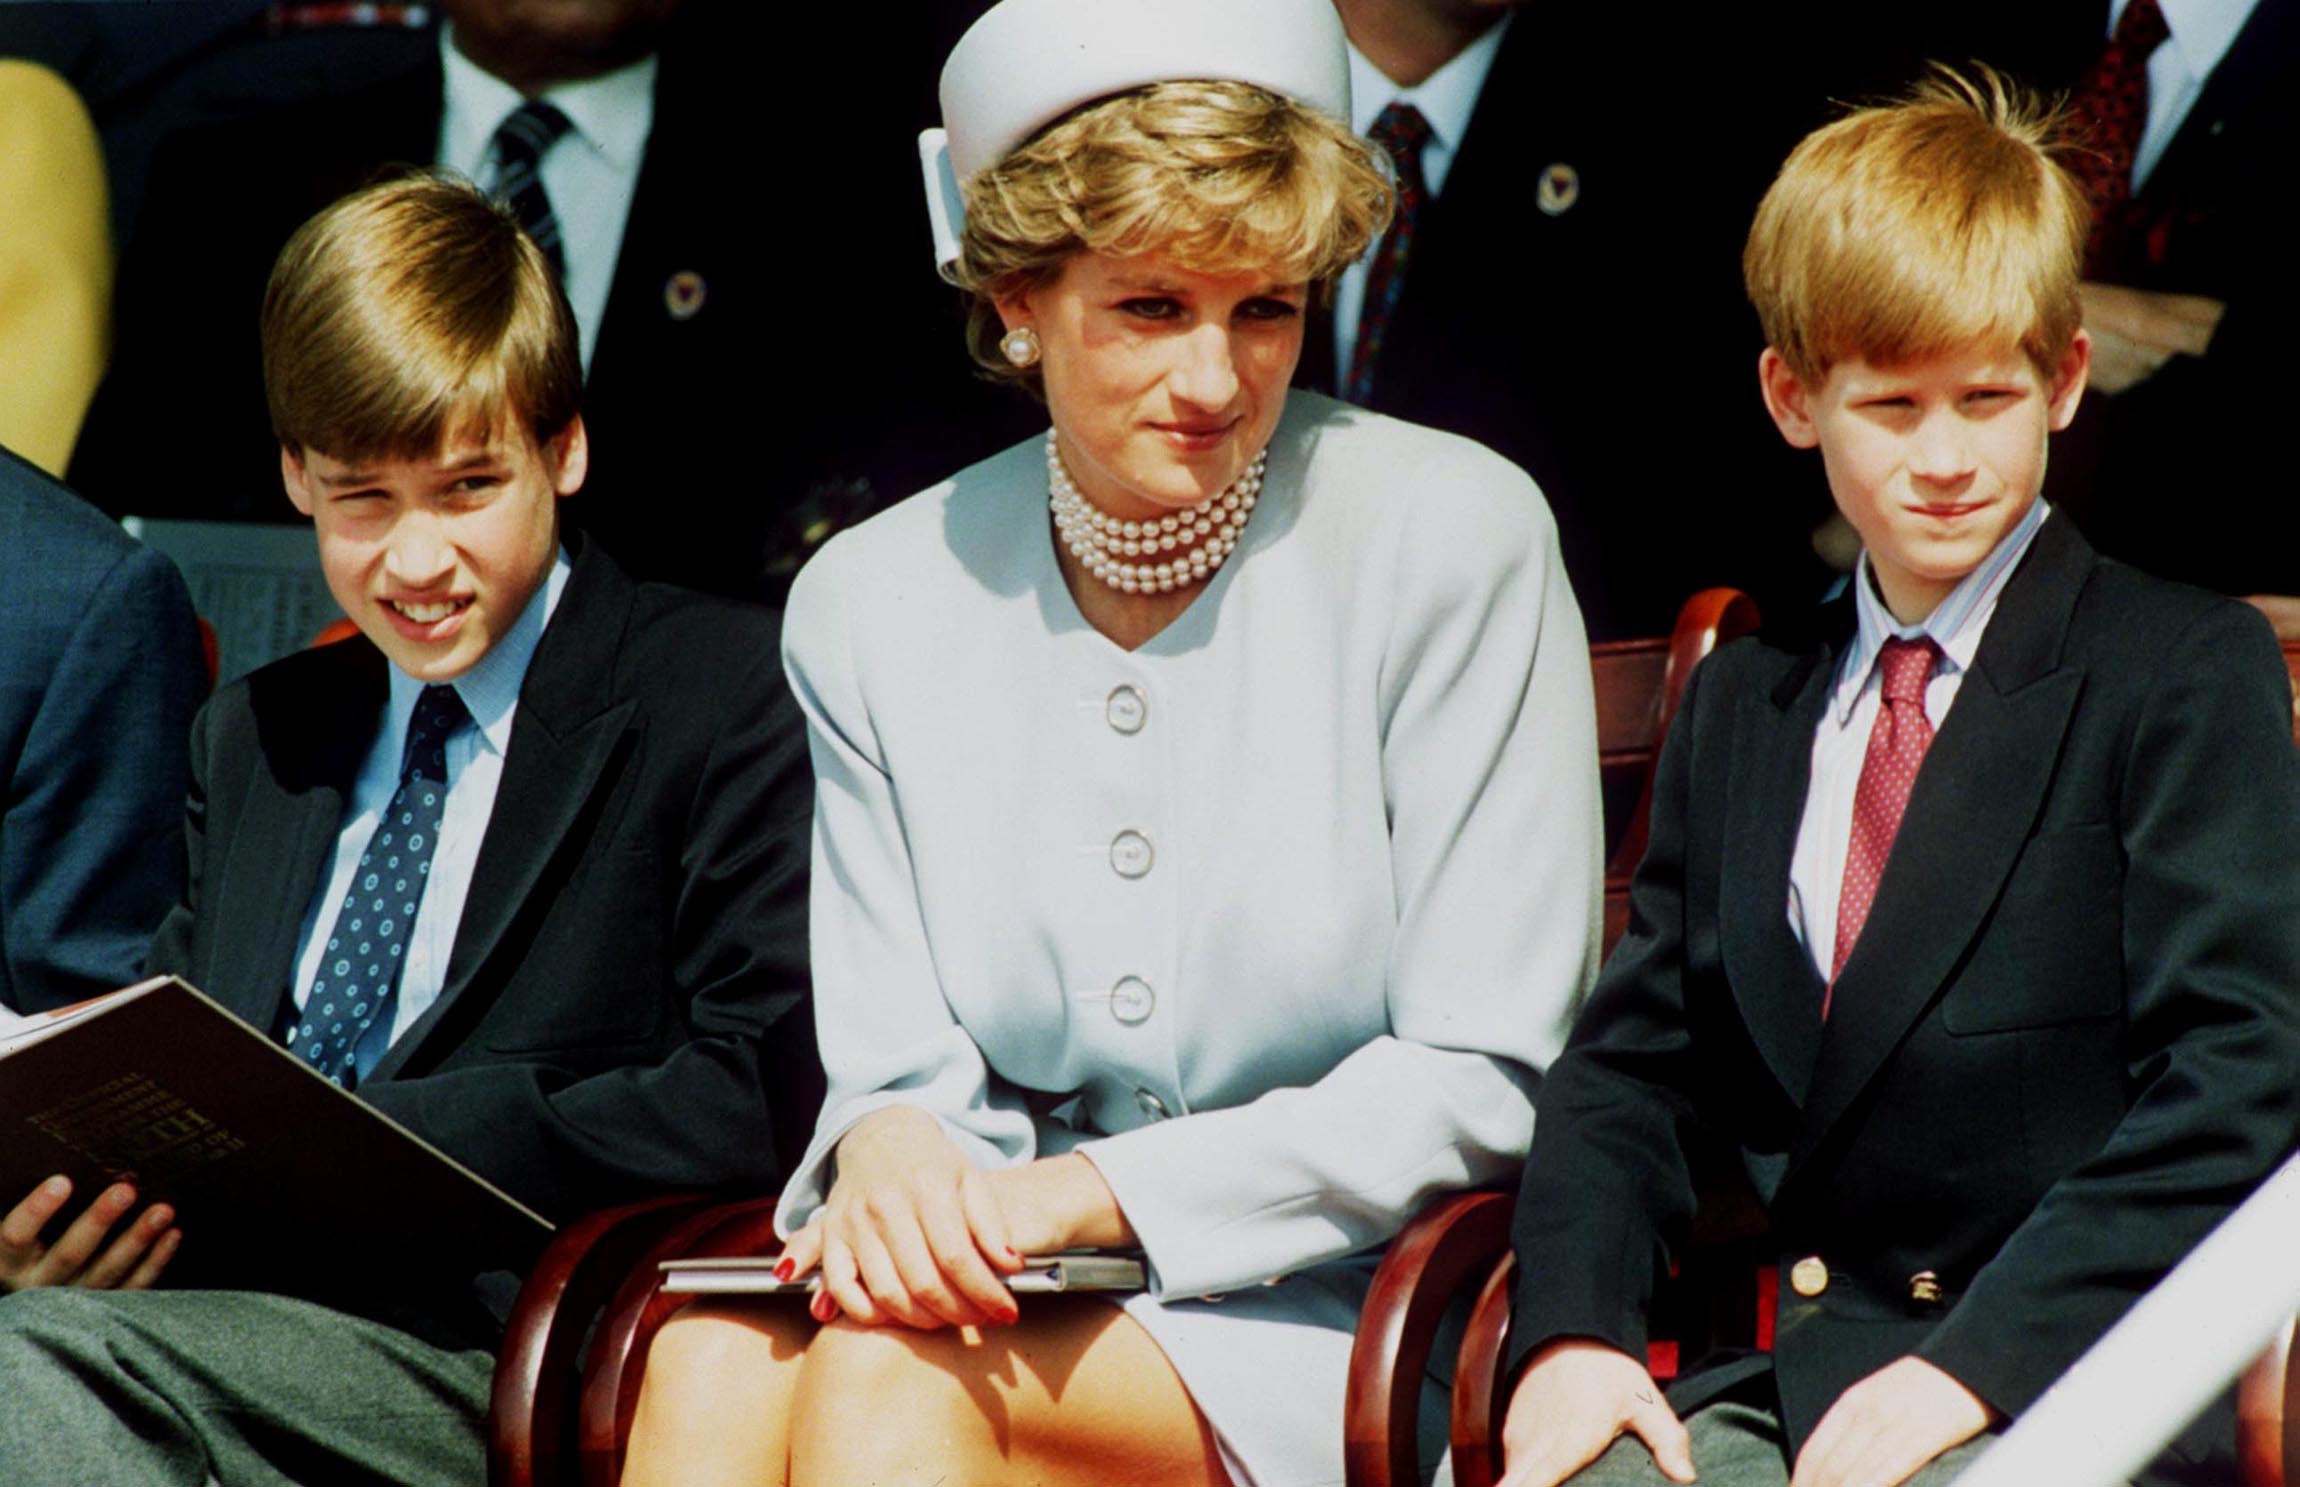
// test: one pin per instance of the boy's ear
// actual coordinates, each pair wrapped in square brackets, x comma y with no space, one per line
[292,476]
[2068,380]
[1786,399]
[568,453]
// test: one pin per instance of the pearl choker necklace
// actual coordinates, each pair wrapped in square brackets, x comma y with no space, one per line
[1198,538]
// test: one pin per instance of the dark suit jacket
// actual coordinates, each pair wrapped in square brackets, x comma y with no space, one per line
[2216,422]
[100,670]
[1608,348]
[821,373]
[625,1010]
[2062,1049]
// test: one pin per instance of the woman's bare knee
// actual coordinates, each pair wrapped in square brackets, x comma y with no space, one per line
[1072,1394]
[711,1365]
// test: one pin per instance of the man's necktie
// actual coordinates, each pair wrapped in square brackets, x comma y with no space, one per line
[2111,105]
[1897,746]
[358,983]
[526,134]
[1401,130]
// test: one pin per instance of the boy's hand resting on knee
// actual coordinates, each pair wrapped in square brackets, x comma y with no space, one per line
[80,1256]
[1573,1399]
[914,1233]
[1880,1431]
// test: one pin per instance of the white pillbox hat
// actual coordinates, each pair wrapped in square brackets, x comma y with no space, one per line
[1026,63]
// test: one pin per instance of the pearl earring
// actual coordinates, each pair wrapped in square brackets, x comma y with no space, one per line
[1020,347]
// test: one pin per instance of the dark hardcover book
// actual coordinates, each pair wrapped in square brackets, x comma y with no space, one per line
[274,1172]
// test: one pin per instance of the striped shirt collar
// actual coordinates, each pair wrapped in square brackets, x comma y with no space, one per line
[1955,625]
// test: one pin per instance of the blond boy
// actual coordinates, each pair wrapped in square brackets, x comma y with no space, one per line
[1974,928]
[523,867]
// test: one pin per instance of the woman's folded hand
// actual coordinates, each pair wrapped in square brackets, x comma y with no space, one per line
[912,1232]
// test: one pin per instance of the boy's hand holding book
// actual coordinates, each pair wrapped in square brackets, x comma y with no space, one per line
[131,1260]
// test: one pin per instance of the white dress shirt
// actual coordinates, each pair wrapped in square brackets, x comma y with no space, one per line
[1447,98]
[2202,31]
[590,174]
[490,692]
[1841,742]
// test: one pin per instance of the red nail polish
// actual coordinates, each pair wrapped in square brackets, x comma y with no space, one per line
[822,1307]
[786,1270]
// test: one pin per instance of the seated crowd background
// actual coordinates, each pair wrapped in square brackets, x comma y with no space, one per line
[568,441]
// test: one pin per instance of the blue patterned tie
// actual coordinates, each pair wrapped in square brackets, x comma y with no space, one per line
[358,982]
[526,134]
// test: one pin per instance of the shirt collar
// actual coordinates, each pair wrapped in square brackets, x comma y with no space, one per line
[1956,623]
[1446,98]
[611,113]
[2202,30]
[490,689]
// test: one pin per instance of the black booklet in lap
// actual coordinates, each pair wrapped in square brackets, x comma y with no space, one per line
[274,1172]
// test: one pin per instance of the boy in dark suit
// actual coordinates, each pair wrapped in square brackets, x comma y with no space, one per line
[1974,930]
[524,866]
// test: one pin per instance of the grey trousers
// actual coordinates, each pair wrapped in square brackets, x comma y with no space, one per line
[251,1390]
[1739,1445]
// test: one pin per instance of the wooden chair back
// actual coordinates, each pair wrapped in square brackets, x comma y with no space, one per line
[1639,684]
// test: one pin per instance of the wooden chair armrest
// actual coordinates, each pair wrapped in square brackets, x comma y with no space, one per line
[535,1373]
[2268,1415]
[1451,1242]
[1478,1401]
[617,1360]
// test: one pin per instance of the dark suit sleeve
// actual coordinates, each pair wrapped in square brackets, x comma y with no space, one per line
[1607,1187]
[2207,813]
[170,952]
[717,1109]
[88,859]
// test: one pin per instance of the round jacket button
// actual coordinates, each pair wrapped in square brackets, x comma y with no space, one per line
[1130,854]
[1132,1000]
[1152,1107]
[1809,1277]
[1126,709]
[1925,1288]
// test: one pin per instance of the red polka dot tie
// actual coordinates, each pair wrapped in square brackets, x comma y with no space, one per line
[1897,746]
[2111,106]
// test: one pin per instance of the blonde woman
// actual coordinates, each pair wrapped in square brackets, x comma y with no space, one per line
[1206,845]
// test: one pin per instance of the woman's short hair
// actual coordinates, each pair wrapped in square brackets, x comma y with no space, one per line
[1912,228]
[409,311]
[1220,177]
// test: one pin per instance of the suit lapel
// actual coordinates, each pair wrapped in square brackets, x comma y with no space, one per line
[1771,975]
[313,734]
[1975,802]
[571,720]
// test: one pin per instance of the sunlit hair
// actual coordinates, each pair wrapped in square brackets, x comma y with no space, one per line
[1218,177]
[1917,227]
[412,312]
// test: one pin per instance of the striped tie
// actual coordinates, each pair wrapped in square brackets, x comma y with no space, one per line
[526,134]
[1402,131]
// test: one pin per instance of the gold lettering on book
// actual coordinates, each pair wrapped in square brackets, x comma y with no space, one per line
[133,1126]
